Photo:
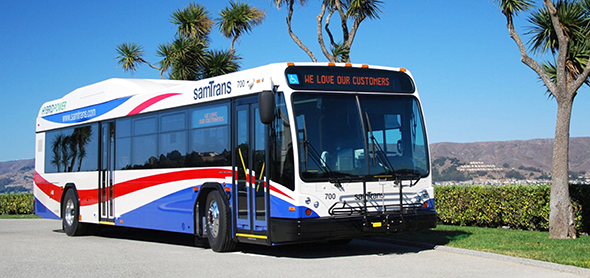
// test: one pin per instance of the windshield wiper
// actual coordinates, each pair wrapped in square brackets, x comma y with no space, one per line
[311,152]
[377,151]
[333,177]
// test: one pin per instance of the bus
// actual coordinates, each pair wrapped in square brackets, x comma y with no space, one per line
[279,154]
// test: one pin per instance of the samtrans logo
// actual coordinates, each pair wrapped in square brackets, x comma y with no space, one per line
[56,107]
[213,90]
[369,196]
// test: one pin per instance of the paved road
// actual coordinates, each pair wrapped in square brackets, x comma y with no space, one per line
[38,248]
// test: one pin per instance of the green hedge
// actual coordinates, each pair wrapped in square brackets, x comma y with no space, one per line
[518,206]
[17,203]
[523,207]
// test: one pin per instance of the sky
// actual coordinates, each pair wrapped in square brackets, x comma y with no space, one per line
[467,69]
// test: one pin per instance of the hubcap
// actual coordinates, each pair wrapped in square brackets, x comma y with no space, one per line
[69,212]
[213,219]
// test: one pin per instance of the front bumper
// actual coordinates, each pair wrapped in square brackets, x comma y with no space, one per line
[333,228]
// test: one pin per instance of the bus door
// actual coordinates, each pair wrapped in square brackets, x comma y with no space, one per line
[250,181]
[107,164]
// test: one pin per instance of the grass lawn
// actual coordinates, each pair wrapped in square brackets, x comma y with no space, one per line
[18,216]
[524,244]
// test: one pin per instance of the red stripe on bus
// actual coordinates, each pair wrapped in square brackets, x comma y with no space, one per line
[53,191]
[90,196]
[150,102]
[124,188]
[272,188]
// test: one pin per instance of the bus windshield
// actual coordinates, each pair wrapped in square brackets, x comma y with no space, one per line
[346,135]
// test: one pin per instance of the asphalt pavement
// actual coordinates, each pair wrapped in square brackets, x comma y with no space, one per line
[39,248]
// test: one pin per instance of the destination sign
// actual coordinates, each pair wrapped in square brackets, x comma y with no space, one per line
[348,79]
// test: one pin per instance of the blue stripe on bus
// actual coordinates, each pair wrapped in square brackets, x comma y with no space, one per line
[85,113]
[172,213]
[430,203]
[43,211]
[280,209]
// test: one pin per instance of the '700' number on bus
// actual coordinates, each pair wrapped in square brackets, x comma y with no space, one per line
[330,196]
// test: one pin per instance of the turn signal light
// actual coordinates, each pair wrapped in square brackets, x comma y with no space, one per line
[425,205]
[308,212]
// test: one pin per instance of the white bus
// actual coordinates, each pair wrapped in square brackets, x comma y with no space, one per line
[283,153]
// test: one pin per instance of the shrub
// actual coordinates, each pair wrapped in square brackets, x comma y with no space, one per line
[518,206]
[580,195]
[19,203]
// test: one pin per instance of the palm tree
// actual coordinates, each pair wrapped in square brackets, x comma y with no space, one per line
[55,148]
[184,57]
[219,62]
[238,19]
[564,30]
[187,56]
[66,154]
[192,22]
[574,20]
[357,10]
[82,136]
[130,56]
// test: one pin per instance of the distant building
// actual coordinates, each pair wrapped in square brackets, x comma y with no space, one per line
[477,166]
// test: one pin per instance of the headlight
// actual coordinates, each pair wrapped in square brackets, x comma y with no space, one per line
[421,197]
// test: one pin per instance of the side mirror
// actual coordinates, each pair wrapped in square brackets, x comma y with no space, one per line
[266,106]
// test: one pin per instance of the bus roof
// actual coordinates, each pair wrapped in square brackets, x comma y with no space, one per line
[104,91]
[118,97]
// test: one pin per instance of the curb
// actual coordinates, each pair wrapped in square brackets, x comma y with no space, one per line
[494,256]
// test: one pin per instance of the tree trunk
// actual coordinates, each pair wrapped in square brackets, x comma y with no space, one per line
[320,19]
[561,218]
[232,50]
[294,37]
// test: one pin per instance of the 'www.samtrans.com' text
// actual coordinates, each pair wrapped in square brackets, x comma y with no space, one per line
[79,115]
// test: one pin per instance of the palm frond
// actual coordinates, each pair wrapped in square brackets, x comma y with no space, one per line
[193,21]
[573,21]
[364,8]
[514,7]
[239,18]
[218,62]
[130,56]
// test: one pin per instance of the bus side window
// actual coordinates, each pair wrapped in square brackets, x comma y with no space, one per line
[283,170]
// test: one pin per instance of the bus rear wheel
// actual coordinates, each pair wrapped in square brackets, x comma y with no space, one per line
[71,215]
[217,224]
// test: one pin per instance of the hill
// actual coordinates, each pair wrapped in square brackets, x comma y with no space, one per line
[523,159]
[17,175]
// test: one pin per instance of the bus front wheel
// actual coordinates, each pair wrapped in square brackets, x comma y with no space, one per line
[71,215]
[217,223]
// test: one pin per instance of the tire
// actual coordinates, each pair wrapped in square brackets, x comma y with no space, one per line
[218,224]
[71,215]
